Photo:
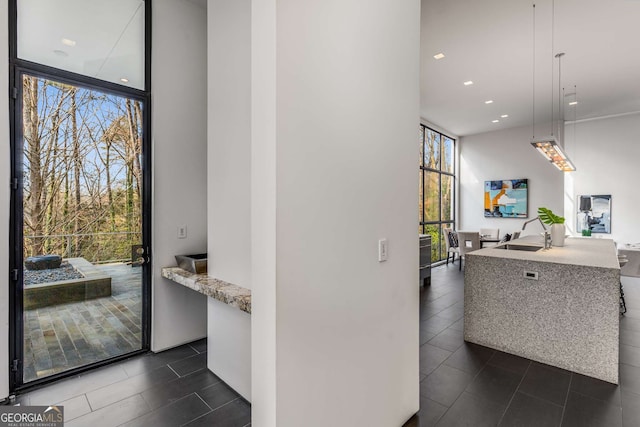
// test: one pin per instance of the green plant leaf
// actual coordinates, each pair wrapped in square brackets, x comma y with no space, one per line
[548,217]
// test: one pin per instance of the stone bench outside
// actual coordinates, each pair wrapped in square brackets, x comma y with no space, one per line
[43,262]
[94,284]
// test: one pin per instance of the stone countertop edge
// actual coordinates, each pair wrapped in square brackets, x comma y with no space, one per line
[228,293]
[599,253]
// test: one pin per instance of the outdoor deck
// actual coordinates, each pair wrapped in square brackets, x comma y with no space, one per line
[61,337]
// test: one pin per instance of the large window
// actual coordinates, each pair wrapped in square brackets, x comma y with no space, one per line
[437,184]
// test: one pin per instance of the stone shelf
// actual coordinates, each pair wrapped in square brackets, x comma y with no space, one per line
[228,293]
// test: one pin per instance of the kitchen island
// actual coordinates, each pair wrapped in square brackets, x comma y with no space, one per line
[557,306]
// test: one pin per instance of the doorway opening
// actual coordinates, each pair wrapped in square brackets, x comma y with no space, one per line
[82,211]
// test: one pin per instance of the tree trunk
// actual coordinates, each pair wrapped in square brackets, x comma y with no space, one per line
[65,203]
[133,166]
[112,208]
[51,177]
[33,190]
[137,170]
[76,170]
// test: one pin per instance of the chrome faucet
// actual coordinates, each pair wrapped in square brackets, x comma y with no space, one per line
[547,239]
[547,233]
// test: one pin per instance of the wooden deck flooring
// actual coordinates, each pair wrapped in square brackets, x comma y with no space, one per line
[61,337]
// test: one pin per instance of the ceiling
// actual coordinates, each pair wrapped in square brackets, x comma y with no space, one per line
[490,42]
[98,39]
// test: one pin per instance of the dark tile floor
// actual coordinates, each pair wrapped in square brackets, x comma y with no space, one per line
[463,384]
[171,388]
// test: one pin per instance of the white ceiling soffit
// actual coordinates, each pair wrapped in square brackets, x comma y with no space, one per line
[490,42]
[97,38]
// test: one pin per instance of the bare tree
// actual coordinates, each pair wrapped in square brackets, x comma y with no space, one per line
[82,168]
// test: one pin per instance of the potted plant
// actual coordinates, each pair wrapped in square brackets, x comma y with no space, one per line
[556,222]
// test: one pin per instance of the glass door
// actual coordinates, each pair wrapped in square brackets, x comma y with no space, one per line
[80,161]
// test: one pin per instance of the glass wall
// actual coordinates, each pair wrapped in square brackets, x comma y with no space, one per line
[436,198]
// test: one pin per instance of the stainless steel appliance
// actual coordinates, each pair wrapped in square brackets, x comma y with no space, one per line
[425,259]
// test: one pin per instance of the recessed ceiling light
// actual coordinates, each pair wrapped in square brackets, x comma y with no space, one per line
[468,83]
[68,42]
[124,80]
[573,102]
[439,55]
[495,121]
[489,101]
[60,52]
[504,116]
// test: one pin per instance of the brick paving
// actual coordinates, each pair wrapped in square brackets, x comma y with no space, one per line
[65,336]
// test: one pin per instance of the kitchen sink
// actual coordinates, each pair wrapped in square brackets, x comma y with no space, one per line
[511,247]
[196,263]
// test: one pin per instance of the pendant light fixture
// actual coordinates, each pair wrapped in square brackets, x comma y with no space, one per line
[549,146]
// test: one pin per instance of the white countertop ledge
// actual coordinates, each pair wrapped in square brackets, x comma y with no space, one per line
[591,252]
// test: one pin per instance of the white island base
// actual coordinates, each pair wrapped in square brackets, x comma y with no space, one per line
[567,317]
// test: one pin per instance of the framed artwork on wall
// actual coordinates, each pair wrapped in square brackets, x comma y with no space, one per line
[506,198]
[594,214]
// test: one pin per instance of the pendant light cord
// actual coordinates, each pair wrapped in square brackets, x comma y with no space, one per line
[553,12]
[575,115]
[534,73]
[560,103]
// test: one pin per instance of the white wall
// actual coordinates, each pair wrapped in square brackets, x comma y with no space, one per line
[342,110]
[263,213]
[229,346]
[505,154]
[179,165]
[606,153]
[229,191]
[5,168]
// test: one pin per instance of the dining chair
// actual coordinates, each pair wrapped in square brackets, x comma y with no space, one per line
[622,260]
[468,241]
[489,233]
[451,242]
[493,233]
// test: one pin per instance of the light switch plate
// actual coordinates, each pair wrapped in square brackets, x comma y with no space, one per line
[383,250]
[182,232]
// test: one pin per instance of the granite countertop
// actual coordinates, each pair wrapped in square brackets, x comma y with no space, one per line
[592,252]
[228,293]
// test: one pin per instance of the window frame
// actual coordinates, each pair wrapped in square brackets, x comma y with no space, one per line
[18,67]
[437,246]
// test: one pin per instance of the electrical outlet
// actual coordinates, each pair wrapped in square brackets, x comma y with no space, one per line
[383,250]
[182,232]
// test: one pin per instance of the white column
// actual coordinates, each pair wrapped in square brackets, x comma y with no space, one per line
[179,165]
[335,114]
[263,214]
[229,185]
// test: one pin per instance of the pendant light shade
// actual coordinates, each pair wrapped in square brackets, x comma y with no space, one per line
[552,151]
